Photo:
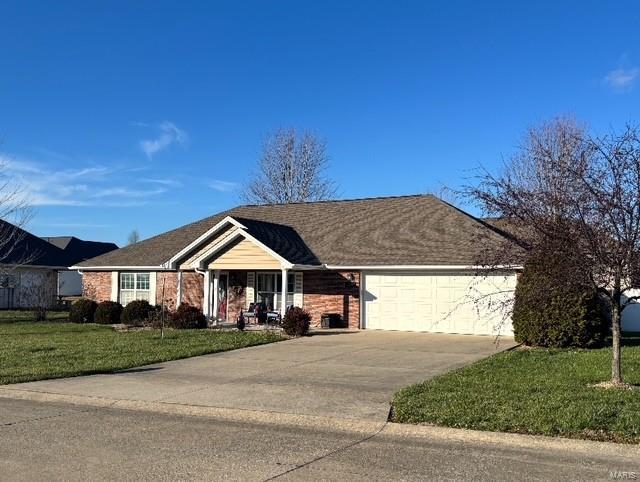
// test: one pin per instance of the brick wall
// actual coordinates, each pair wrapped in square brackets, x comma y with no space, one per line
[332,292]
[96,285]
[168,279]
[192,288]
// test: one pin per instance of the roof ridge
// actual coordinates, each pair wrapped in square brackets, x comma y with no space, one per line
[476,219]
[323,201]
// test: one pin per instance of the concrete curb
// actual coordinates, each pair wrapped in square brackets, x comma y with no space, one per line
[351,426]
[515,440]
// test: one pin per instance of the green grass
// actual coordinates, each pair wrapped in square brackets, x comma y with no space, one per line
[16,316]
[35,351]
[533,391]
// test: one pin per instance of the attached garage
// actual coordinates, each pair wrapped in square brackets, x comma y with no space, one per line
[433,301]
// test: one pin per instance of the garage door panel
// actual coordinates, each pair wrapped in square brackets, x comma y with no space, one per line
[424,301]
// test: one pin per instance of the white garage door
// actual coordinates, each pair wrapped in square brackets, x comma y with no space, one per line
[443,302]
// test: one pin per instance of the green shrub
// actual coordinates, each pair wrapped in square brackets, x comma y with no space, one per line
[108,313]
[82,311]
[557,307]
[296,322]
[136,313]
[187,317]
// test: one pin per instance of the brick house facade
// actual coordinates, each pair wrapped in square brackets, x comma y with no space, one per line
[323,292]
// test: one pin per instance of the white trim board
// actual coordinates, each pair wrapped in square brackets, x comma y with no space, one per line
[427,267]
[122,268]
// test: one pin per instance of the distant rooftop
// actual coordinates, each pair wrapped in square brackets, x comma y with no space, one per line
[78,250]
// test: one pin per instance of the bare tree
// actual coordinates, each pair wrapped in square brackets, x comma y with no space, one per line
[134,237]
[290,170]
[15,212]
[581,194]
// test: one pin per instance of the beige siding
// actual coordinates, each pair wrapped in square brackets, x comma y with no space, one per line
[244,255]
[228,232]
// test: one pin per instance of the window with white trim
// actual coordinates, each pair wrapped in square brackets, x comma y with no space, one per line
[269,289]
[134,286]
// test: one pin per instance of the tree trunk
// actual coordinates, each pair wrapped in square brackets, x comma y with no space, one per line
[616,374]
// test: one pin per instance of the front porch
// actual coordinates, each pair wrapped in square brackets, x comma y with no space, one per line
[228,293]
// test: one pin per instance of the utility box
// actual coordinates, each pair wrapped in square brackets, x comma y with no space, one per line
[331,320]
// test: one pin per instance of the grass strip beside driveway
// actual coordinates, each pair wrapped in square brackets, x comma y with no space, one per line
[36,351]
[532,391]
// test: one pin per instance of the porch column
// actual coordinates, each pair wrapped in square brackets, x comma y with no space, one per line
[283,301]
[216,280]
[206,301]
[179,290]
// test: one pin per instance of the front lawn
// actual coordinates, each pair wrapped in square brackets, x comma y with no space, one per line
[14,316]
[534,391]
[35,351]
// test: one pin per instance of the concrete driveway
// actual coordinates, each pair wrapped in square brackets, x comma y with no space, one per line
[347,375]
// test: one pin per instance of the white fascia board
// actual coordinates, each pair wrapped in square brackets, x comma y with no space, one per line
[119,268]
[428,267]
[184,251]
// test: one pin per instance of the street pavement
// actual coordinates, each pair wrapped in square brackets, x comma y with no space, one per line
[55,441]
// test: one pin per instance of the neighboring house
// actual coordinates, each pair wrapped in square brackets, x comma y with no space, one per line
[28,270]
[33,270]
[396,263]
[76,250]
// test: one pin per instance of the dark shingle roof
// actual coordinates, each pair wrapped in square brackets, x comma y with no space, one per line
[78,249]
[23,248]
[406,230]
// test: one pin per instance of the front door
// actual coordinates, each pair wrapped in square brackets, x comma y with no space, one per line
[223,297]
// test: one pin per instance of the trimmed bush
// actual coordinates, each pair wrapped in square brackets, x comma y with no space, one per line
[82,311]
[296,322]
[557,307]
[157,316]
[187,317]
[136,313]
[108,313]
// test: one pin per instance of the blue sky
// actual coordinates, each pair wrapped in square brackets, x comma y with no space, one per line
[147,115]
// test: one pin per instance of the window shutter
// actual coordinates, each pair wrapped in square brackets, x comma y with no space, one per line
[250,291]
[152,287]
[114,285]
[298,297]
